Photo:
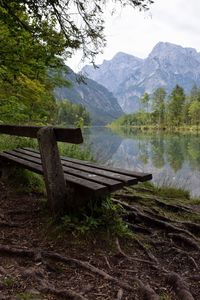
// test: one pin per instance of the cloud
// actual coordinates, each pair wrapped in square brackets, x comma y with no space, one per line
[136,33]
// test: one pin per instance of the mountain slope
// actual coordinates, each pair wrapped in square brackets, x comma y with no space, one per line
[101,103]
[113,72]
[166,66]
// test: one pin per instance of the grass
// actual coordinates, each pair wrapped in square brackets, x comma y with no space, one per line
[102,216]
[28,296]
[75,151]
[12,142]
[171,192]
[8,281]
[165,296]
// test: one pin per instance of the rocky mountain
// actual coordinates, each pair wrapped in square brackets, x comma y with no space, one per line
[100,102]
[166,66]
[114,71]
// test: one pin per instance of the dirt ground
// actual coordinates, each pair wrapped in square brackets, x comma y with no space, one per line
[160,261]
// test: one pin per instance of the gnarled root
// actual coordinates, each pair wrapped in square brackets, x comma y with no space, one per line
[180,286]
[147,293]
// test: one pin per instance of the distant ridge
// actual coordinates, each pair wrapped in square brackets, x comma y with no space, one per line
[128,77]
[100,102]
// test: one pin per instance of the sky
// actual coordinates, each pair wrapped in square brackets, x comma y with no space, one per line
[136,33]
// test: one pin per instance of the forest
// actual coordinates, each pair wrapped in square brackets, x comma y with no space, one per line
[165,111]
[32,58]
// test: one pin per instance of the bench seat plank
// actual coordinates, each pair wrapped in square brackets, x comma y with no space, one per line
[112,184]
[127,180]
[139,175]
[37,168]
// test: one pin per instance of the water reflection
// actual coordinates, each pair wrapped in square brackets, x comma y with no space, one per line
[174,159]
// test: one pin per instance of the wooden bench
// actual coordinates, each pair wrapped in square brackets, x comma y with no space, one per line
[69,182]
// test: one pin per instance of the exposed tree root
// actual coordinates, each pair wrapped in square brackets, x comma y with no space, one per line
[128,197]
[47,288]
[119,294]
[155,213]
[193,227]
[148,253]
[147,293]
[194,277]
[138,228]
[107,262]
[171,207]
[22,211]
[130,257]
[180,286]
[10,224]
[185,253]
[140,217]
[185,240]
[68,260]
[141,189]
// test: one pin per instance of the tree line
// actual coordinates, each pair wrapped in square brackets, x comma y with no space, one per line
[166,110]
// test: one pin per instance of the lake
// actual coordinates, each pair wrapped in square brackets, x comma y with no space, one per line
[173,159]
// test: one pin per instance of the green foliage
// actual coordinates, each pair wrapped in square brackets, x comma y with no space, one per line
[79,24]
[8,281]
[175,105]
[167,112]
[165,296]
[28,296]
[29,70]
[69,113]
[159,106]
[26,181]
[135,119]
[194,112]
[171,192]
[103,215]
[11,142]
[144,100]
[75,151]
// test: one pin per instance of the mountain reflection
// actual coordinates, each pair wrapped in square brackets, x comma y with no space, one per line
[174,159]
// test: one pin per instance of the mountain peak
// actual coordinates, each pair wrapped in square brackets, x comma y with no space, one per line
[122,55]
[111,72]
[165,49]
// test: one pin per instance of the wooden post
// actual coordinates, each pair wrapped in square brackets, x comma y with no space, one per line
[56,188]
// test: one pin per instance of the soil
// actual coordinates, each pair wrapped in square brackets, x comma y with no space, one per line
[160,261]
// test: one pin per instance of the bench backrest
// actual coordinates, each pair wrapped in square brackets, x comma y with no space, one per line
[69,135]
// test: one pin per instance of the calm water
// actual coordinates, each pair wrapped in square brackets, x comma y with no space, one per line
[173,159]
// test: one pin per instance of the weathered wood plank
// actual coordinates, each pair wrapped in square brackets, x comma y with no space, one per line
[127,180]
[37,168]
[139,175]
[112,184]
[57,193]
[21,162]
[69,135]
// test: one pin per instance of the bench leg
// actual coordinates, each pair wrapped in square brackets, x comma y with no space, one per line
[57,192]
[6,170]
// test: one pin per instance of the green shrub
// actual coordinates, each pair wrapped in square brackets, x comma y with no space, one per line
[102,216]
